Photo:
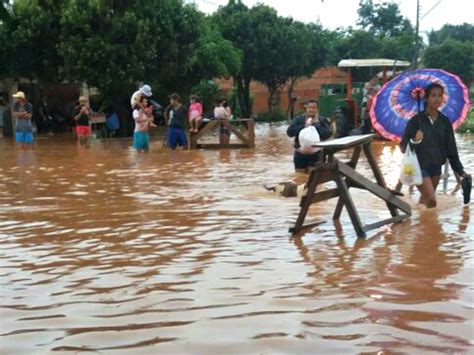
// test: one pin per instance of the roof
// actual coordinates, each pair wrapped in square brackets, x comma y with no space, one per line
[348,63]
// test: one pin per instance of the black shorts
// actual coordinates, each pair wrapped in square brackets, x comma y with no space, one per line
[431,170]
[302,161]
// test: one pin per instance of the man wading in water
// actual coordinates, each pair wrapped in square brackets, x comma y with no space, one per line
[302,159]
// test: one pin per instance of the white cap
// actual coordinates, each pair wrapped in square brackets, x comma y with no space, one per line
[146,90]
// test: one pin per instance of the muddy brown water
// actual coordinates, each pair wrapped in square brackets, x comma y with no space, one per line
[107,251]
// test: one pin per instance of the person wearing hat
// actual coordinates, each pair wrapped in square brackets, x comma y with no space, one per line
[145,91]
[82,116]
[23,111]
[177,114]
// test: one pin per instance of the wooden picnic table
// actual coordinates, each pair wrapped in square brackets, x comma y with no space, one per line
[245,135]
[344,174]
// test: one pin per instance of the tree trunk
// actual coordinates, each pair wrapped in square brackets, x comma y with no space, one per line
[291,105]
[243,92]
[272,93]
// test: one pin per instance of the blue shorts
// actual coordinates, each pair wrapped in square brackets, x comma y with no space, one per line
[302,161]
[24,137]
[141,140]
[176,137]
[431,170]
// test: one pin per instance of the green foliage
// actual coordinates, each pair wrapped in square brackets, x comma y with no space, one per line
[29,33]
[382,19]
[453,56]
[110,51]
[468,125]
[209,92]
[400,47]
[275,115]
[274,49]
[113,45]
[462,33]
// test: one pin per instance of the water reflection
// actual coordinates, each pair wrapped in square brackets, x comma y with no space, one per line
[105,249]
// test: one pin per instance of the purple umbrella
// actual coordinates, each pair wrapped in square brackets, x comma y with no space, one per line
[402,98]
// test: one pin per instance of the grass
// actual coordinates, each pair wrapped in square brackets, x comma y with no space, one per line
[468,125]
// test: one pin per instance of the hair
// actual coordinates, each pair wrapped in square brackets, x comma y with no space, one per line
[195,98]
[431,87]
[313,101]
[220,100]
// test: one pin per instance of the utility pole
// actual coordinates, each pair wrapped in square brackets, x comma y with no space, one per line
[414,61]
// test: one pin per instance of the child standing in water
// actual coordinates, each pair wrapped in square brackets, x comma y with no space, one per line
[431,135]
[143,122]
[82,116]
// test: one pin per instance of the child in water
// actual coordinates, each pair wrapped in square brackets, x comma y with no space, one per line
[142,114]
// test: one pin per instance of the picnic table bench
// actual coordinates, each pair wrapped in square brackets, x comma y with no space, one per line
[344,174]
[246,134]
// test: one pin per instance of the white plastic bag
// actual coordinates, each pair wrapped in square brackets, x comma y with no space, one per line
[307,137]
[410,173]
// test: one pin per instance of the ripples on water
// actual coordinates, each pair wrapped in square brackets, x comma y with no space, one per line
[183,252]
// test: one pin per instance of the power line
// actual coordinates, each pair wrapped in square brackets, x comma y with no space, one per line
[422,17]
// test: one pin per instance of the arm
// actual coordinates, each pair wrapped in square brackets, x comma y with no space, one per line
[324,129]
[76,114]
[295,127]
[452,151]
[28,112]
[409,134]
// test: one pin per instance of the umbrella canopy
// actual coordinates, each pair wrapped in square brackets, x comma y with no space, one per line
[402,98]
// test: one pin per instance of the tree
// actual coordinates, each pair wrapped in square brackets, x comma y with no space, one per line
[358,44]
[30,31]
[114,45]
[309,49]
[453,56]
[399,47]
[236,25]
[462,33]
[383,19]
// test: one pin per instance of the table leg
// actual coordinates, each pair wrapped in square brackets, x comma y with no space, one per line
[306,200]
[378,175]
[350,206]
[353,163]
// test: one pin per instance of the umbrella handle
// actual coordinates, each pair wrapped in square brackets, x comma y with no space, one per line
[419,108]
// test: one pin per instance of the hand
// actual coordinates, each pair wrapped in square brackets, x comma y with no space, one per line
[419,136]
[309,122]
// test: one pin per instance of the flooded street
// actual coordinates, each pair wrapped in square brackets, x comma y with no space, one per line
[171,252]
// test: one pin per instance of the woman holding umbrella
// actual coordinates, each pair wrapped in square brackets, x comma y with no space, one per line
[430,134]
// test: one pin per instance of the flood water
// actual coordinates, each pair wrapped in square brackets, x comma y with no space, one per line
[109,251]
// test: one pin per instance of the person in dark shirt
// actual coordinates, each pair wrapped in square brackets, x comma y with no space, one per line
[431,135]
[311,117]
[177,116]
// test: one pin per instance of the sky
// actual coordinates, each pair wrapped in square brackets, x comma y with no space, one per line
[343,13]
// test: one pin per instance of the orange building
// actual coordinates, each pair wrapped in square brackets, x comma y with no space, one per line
[304,89]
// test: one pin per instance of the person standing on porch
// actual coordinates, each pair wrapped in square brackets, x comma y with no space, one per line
[301,159]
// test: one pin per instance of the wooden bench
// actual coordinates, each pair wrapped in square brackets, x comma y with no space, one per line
[246,136]
[343,173]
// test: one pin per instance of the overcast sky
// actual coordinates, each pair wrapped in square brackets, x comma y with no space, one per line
[343,13]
